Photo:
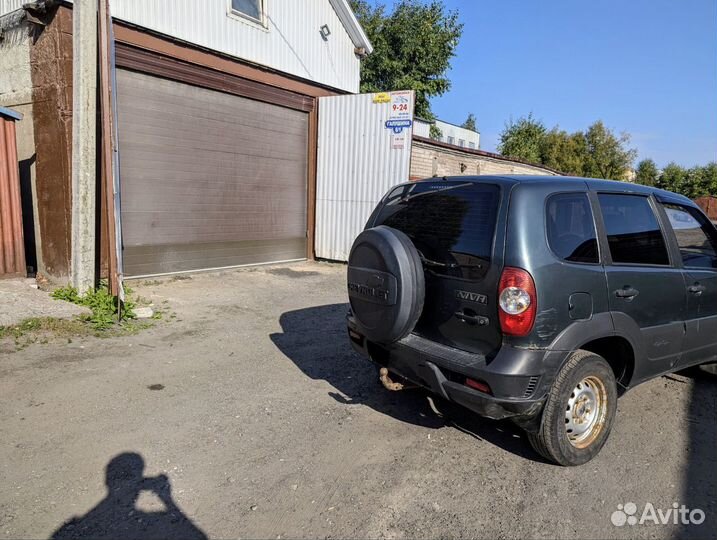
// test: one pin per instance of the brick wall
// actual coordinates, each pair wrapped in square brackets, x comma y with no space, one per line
[431,158]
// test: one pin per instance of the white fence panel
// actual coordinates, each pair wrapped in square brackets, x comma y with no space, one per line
[364,148]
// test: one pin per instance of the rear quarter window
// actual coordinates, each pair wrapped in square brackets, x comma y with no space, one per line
[571,228]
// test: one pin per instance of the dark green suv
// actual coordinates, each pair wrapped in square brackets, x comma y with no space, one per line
[539,299]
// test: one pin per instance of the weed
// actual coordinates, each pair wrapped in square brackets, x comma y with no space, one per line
[105,307]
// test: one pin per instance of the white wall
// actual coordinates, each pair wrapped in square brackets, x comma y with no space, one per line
[458,134]
[359,159]
[290,42]
[423,129]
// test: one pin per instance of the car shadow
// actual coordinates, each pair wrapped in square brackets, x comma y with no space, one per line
[315,339]
[700,481]
[116,516]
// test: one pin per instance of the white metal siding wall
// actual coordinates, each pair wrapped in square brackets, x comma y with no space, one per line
[291,43]
[458,133]
[356,166]
[6,6]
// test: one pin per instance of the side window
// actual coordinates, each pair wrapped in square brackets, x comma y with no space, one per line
[695,236]
[571,228]
[633,232]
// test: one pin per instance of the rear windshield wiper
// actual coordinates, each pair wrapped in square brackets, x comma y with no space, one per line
[408,196]
[429,262]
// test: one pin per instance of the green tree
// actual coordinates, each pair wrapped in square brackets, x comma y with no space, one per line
[647,173]
[709,179]
[470,123]
[413,46]
[523,139]
[673,178]
[607,153]
[564,152]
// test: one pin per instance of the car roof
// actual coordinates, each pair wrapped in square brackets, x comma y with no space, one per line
[594,184]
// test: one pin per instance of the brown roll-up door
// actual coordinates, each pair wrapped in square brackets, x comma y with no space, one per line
[208,180]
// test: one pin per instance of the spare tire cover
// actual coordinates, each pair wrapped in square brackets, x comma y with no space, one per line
[385,284]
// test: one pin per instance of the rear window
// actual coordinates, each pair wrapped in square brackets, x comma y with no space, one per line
[571,228]
[632,230]
[452,224]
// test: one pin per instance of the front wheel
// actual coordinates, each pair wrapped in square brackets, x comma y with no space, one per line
[579,411]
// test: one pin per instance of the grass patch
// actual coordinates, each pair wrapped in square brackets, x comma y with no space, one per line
[58,327]
[105,308]
[105,319]
[42,329]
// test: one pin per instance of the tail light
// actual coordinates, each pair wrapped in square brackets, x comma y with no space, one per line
[518,302]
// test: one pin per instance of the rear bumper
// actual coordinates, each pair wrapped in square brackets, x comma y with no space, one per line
[518,378]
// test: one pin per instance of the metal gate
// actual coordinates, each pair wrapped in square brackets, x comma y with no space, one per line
[209,180]
[364,148]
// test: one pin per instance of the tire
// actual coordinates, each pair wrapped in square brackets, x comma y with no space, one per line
[593,404]
[386,285]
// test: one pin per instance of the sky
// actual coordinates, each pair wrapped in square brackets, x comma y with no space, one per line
[647,67]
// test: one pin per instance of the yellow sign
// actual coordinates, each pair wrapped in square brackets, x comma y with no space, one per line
[382,97]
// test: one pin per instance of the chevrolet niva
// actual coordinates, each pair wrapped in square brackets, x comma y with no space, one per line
[538,299]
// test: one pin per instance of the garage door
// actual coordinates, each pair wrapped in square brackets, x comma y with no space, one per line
[208,180]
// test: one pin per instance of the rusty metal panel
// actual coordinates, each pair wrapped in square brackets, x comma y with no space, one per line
[359,159]
[709,205]
[209,180]
[12,249]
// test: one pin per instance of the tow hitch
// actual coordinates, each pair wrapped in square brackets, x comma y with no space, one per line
[388,384]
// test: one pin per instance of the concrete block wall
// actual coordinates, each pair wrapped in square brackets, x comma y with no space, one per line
[429,158]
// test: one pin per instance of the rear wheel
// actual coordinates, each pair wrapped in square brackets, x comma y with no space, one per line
[579,411]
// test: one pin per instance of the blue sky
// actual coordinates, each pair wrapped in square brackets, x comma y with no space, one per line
[648,67]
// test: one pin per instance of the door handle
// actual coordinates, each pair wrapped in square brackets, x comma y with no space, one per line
[627,292]
[697,289]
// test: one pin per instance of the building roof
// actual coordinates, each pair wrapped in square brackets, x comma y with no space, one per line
[351,24]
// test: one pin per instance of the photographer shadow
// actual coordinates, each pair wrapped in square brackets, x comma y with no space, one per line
[116,516]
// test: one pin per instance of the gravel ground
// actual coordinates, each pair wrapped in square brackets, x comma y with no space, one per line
[19,300]
[249,416]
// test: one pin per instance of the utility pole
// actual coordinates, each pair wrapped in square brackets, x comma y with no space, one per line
[84,142]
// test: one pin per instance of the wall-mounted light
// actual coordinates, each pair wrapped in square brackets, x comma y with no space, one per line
[325,32]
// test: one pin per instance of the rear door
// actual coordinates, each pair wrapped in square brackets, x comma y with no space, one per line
[453,224]
[643,282]
[697,242]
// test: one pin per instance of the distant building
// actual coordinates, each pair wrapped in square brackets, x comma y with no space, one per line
[450,133]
